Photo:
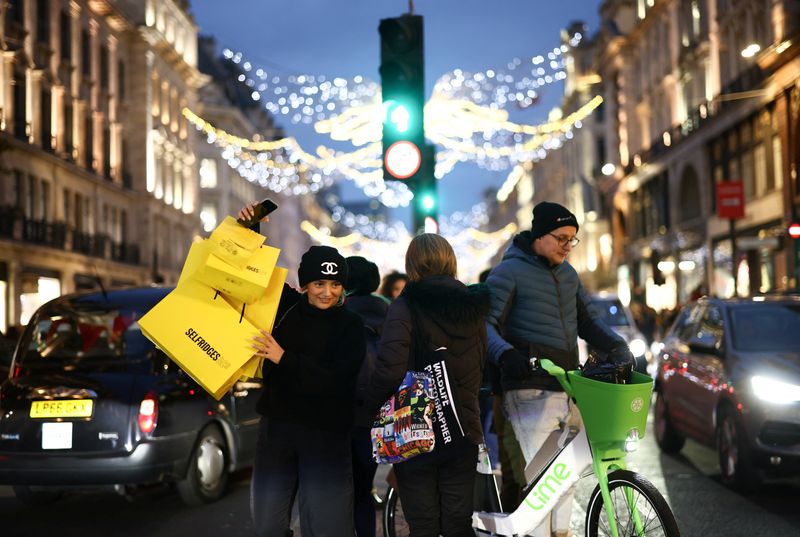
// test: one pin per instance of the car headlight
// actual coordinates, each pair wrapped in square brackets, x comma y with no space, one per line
[637,346]
[775,391]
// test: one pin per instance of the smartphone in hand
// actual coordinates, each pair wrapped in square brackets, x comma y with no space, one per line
[260,210]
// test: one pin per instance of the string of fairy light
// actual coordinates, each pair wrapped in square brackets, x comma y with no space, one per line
[466,118]
[307,98]
[283,166]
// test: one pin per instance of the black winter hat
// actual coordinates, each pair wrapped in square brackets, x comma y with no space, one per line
[322,263]
[548,216]
[363,276]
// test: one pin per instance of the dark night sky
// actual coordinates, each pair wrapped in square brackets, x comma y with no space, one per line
[340,38]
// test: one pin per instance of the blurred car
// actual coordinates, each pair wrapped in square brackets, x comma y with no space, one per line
[729,377]
[91,402]
[610,310]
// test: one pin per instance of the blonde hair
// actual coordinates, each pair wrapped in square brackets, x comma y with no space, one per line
[430,255]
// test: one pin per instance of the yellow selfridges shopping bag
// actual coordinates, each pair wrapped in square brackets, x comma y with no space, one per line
[234,243]
[261,314]
[203,334]
[247,284]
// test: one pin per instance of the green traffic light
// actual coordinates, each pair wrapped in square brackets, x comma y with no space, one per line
[400,118]
[428,202]
[397,115]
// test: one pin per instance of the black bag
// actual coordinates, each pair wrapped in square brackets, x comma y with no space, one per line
[434,359]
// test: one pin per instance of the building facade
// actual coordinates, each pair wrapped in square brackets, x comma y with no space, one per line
[697,93]
[97,171]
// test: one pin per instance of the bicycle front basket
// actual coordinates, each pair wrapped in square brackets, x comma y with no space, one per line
[610,411]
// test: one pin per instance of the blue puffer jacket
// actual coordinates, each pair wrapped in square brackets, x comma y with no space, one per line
[540,310]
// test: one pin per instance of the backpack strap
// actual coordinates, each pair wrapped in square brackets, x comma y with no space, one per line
[419,336]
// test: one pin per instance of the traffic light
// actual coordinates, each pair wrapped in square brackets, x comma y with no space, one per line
[794,230]
[402,72]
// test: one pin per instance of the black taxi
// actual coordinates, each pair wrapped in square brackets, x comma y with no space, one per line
[89,401]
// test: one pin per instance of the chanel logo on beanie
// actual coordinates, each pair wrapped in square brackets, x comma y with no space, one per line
[329,268]
[322,263]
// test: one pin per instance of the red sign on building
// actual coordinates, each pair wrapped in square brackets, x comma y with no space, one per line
[730,199]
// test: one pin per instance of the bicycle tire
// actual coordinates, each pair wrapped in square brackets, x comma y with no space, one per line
[657,517]
[394,523]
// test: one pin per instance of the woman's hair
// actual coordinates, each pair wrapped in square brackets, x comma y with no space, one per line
[430,255]
[388,283]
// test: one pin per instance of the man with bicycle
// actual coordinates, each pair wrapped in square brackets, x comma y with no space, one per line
[539,308]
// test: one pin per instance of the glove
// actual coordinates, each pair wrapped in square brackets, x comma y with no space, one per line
[621,355]
[514,365]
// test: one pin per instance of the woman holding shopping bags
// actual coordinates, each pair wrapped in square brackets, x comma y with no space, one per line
[312,359]
[436,488]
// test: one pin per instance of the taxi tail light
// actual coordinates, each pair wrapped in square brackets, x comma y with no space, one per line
[148,413]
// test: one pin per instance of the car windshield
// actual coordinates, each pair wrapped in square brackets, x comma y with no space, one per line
[610,311]
[766,327]
[86,336]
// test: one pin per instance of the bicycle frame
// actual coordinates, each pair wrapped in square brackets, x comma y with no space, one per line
[544,491]
[565,467]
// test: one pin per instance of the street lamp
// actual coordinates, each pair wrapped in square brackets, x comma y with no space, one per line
[608,169]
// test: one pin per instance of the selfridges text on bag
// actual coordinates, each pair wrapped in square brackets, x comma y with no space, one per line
[404,427]
[433,360]
[203,334]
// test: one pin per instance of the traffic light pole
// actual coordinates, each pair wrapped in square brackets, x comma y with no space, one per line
[406,156]
[426,200]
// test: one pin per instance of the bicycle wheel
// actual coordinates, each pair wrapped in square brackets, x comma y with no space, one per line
[394,523]
[653,511]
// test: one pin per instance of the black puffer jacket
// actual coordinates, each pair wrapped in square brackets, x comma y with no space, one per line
[454,317]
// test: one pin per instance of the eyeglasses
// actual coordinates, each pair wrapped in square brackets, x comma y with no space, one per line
[563,241]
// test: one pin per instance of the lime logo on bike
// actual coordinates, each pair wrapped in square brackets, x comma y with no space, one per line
[637,404]
[547,487]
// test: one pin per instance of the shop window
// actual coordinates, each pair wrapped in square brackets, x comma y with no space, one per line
[36,290]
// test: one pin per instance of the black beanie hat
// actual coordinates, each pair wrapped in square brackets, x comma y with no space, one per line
[548,216]
[322,263]
[363,276]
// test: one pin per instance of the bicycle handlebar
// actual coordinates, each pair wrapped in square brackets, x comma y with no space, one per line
[552,369]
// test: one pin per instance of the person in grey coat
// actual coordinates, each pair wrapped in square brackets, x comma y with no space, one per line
[539,308]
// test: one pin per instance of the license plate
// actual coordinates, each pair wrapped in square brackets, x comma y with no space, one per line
[57,435]
[63,408]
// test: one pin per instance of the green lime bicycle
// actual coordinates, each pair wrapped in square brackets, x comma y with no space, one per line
[623,504]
